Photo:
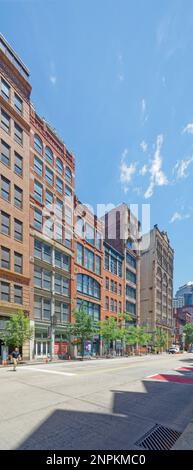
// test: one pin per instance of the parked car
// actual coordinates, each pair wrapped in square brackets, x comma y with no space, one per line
[191,350]
[173,350]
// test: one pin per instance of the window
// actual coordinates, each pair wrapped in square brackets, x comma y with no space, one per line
[98,240]
[58,232]
[18,294]
[68,216]
[5,223]
[59,185]
[90,234]
[18,134]
[98,265]
[107,283]
[107,303]
[59,165]
[79,227]
[119,268]
[46,309]
[5,291]
[68,191]
[62,261]
[49,155]
[5,258]
[38,166]
[130,308]
[107,259]
[5,188]
[49,176]
[68,175]
[68,239]
[18,230]
[91,308]
[38,191]
[37,307]
[18,263]
[130,292]
[38,145]
[88,286]
[130,276]
[112,305]
[38,249]
[120,307]
[48,227]
[62,285]
[113,264]
[130,260]
[18,103]
[120,289]
[59,208]
[5,121]
[47,253]
[80,258]
[38,219]
[62,312]
[18,164]
[5,90]
[46,279]
[89,260]
[37,276]
[112,285]
[49,199]
[18,197]
[5,153]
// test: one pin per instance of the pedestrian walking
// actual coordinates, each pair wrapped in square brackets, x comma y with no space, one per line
[16,357]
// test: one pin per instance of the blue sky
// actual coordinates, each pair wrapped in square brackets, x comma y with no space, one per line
[115,80]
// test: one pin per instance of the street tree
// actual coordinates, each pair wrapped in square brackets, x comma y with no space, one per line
[188,330]
[159,339]
[109,330]
[17,330]
[84,328]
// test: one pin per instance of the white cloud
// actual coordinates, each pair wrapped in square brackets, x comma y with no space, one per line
[181,167]
[143,106]
[126,171]
[52,79]
[143,146]
[188,129]
[143,170]
[157,176]
[137,190]
[178,217]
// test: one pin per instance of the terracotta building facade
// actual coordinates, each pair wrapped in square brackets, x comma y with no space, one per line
[14,186]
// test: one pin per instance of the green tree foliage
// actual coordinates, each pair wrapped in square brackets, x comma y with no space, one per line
[84,327]
[159,339]
[17,330]
[188,330]
[109,330]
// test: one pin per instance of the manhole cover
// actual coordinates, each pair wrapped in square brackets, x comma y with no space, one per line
[158,438]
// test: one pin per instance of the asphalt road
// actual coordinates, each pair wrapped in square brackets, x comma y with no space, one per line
[96,404]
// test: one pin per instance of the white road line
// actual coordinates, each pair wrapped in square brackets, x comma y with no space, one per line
[46,371]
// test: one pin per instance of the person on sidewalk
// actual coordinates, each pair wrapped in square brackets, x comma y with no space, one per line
[15,356]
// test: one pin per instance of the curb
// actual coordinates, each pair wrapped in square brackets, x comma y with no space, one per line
[185,441]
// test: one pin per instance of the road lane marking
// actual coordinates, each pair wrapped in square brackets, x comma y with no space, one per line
[46,371]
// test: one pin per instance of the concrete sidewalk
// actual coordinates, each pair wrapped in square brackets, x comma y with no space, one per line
[185,441]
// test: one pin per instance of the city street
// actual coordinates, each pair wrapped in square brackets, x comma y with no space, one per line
[96,404]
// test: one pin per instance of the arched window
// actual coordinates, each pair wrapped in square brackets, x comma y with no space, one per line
[38,144]
[59,165]
[68,175]
[49,155]
[88,286]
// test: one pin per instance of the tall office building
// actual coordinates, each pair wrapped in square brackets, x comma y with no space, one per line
[15,92]
[157,282]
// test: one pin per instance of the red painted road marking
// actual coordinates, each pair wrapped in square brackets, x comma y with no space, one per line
[185,368]
[173,378]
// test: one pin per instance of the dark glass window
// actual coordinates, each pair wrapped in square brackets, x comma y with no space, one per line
[18,164]
[5,153]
